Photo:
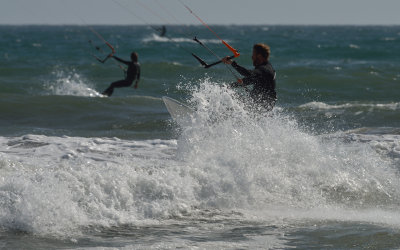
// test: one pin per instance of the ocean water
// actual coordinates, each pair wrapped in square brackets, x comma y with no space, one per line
[82,171]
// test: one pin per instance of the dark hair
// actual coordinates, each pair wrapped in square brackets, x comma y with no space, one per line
[134,56]
[262,49]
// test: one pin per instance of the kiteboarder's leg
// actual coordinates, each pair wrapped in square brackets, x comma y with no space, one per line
[118,84]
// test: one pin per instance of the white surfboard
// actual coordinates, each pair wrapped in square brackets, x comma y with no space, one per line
[178,111]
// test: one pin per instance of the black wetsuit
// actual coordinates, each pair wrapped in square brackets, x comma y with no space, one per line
[163,30]
[263,80]
[132,73]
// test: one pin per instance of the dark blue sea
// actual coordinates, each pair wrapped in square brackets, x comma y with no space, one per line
[82,171]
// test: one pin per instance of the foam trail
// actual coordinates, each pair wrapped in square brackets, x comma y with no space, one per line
[157,38]
[323,106]
[70,83]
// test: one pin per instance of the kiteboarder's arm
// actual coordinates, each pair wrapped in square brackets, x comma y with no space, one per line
[243,71]
[121,60]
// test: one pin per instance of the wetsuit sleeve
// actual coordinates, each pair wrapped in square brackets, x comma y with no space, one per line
[120,60]
[243,71]
[250,76]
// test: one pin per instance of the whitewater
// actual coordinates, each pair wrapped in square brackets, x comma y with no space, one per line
[263,176]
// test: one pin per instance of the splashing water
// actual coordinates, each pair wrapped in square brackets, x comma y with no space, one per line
[70,83]
[250,160]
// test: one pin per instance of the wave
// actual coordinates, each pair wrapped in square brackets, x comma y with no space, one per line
[324,106]
[157,38]
[55,185]
[385,144]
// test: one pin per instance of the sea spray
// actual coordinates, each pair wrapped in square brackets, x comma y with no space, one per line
[244,159]
[70,83]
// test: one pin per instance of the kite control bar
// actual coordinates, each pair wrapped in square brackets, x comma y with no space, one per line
[99,49]
[205,65]
[202,62]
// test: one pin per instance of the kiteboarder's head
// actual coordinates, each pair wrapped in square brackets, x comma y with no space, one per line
[134,57]
[261,53]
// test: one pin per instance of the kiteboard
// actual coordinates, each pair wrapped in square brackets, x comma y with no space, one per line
[178,111]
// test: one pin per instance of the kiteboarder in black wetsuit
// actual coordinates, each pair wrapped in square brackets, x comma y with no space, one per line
[262,77]
[163,30]
[132,73]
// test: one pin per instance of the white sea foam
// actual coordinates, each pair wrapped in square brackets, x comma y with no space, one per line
[157,38]
[354,46]
[325,106]
[229,162]
[56,184]
[389,39]
[385,144]
[70,83]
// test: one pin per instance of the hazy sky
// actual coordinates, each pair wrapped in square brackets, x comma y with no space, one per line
[267,12]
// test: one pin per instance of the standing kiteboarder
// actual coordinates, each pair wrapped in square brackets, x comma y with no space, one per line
[132,73]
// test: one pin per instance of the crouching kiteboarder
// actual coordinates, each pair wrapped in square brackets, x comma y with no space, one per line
[262,77]
[132,73]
